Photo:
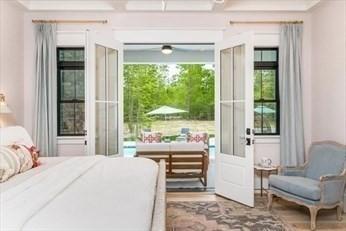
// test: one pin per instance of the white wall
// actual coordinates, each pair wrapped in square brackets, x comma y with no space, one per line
[11,57]
[328,76]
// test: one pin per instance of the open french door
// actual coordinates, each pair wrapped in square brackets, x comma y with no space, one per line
[234,119]
[104,118]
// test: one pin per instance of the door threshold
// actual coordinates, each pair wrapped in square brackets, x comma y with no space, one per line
[196,189]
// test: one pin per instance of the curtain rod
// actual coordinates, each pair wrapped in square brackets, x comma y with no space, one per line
[69,21]
[265,22]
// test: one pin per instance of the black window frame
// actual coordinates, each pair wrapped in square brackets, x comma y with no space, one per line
[67,65]
[267,65]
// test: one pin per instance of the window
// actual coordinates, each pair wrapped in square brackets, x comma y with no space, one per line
[266,92]
[71,99]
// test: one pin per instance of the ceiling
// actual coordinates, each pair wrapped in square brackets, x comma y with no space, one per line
[179,47]
[168,5]
[182,53]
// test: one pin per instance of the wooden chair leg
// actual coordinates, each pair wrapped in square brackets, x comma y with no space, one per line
[313,215]
[339,211]
[270,200]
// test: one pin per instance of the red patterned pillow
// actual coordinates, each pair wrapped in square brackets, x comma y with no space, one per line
[151,137]
[198,137]
[35,153]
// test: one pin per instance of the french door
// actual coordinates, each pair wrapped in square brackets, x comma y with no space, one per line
[234,119]
[104,94]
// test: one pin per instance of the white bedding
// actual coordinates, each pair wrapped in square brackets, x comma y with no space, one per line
[82,193]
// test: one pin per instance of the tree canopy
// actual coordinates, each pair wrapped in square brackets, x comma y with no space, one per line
[149,86]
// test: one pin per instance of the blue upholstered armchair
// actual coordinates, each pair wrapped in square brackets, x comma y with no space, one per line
[319,183]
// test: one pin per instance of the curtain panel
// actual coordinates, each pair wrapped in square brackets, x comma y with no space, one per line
[292,147]
[45,130]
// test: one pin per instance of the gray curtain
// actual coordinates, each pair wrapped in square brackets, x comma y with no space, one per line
[292,146]
[45,130]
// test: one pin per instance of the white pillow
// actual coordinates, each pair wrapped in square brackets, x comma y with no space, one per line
[24,156]
[15,135]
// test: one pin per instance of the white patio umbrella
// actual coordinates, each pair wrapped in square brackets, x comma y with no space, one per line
[166,110]
[264,109]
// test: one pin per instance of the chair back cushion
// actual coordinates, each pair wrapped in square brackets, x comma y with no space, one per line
[151,137]
[325,159]
[197,137]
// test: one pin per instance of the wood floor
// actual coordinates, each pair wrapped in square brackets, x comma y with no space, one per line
[295,216]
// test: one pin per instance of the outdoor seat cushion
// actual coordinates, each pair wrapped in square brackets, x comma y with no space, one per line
[187,147]
[300,186]
[152,147]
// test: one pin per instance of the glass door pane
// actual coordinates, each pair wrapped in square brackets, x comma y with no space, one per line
[232,101]
[100,104]
[239,101]
[100,72]
[112,97]
[112,144]
[226,128]
[226,144]
[112,74]
[101,129]
[106,101]
[226,74]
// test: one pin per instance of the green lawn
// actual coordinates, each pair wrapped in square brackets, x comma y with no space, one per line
[173,127]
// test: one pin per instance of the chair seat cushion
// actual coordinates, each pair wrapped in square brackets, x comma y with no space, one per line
[299,186]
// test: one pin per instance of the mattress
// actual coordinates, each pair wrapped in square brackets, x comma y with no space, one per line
[81,193]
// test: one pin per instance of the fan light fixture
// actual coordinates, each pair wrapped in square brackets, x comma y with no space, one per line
[167,49]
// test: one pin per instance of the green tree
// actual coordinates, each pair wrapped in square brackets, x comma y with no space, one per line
[144,89]
[193,90]
[148,86]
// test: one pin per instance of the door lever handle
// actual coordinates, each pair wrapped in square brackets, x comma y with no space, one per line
[248,141]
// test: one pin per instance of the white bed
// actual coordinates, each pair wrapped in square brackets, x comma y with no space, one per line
[85,193]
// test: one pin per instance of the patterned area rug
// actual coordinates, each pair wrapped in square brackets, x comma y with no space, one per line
[221,215]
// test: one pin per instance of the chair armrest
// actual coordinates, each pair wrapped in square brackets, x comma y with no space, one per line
[342,176]
[332,188]
[292,171]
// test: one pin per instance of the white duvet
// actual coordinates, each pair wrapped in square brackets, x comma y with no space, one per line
[81,194]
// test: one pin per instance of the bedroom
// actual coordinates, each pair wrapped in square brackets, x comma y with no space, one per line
[323,54]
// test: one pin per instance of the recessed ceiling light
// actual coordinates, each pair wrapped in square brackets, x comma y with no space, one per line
[167,49]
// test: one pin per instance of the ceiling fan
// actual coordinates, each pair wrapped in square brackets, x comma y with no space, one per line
[167,48]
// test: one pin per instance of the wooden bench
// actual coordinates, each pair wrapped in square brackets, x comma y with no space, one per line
[183,160]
